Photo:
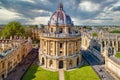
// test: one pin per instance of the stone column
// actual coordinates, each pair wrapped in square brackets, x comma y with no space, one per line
[66,30]
[47,47]
[6,68]
[116,45]
[65,48]
[41,46]
[57,48]
[72,47]
[104,43]
[54,46]
[113,44]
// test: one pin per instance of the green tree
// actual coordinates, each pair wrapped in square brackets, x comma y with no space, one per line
[95,34]
[12,29]
[115,31]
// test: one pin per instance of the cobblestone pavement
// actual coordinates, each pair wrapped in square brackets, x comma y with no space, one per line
[61,74]
[20,69]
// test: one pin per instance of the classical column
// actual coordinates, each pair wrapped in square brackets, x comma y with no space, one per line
[105,44]
[66,30]
[113,44]
[72,47]
[47,47]
[116,45]
[57,48]
[41,46]
[65,46]
[54,46]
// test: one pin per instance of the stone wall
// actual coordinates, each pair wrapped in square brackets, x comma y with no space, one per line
[113,67]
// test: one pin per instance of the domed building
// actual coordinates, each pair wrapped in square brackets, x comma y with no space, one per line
[60,43]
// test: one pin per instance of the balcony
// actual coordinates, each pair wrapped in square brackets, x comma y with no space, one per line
[58,57]
[53,35]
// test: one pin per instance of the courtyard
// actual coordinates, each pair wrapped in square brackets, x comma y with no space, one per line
[37,73]
[83,73]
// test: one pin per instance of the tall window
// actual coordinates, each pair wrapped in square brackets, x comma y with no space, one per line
[42,61]
[61,45]
[60,30]
[51,29]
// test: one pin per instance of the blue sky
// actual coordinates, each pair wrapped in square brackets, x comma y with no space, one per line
[82,12]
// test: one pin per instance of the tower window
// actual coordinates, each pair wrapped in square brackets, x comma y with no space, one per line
[61,45]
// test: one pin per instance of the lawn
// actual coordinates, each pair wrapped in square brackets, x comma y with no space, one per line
[83,73]
[37,73]
[118,55]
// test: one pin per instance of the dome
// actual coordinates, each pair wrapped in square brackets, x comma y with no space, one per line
[60,17]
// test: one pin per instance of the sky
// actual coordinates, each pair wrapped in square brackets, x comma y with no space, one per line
[82,12]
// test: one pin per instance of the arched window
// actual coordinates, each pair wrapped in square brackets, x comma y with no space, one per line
[103,43]
[50,63]
[43,61]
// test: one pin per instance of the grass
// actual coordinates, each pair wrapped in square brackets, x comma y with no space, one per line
[83,73]
[37,73]
[118,55]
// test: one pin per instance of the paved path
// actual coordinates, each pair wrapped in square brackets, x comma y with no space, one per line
[20,69]
[61,74]
[104,75]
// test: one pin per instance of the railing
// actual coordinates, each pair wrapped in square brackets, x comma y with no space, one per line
[56,56]
[60,35]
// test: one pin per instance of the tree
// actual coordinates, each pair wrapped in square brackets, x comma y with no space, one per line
[95,34]
[115,31]
[12,29]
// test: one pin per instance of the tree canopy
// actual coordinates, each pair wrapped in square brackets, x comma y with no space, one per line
[95,34]
[115,31]
[12,29]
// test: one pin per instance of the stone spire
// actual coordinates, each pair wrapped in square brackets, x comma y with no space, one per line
[60,5]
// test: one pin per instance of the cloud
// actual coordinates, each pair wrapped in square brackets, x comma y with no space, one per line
[81,11]
[88,6]
[117,8]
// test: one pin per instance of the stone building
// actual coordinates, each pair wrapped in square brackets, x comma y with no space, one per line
[60,43]
[11,54]
[110,40]
[35,33]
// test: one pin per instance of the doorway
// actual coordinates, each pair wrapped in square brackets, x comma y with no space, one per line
[60,64]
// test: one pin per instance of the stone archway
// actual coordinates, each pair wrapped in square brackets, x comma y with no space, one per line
[43,61]
[61,64]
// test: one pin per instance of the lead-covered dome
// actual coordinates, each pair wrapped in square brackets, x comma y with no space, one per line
[60,17]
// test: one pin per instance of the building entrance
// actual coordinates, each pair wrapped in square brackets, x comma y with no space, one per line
[60,64]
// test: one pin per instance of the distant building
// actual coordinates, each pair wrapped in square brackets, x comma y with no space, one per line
[60,43]
[12,51]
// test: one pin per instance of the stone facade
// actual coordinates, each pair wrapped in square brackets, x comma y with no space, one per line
[60,43]
[10,57]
